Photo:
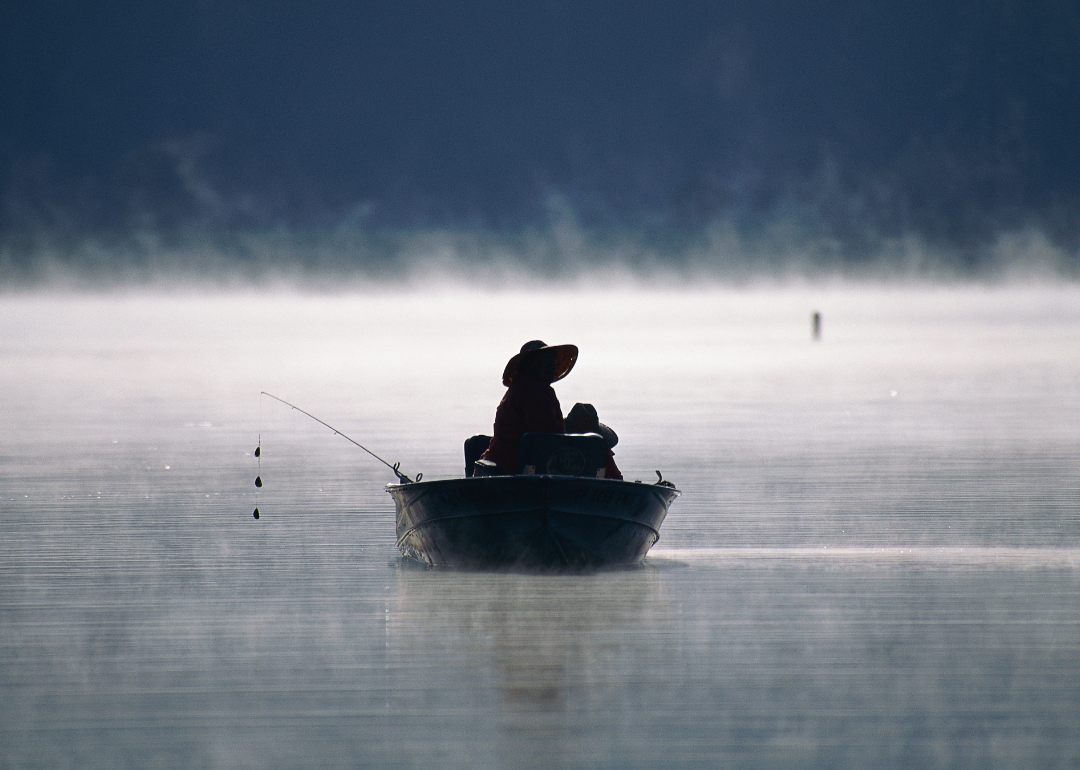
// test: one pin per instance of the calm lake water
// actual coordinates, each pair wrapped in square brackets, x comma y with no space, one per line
[875,562]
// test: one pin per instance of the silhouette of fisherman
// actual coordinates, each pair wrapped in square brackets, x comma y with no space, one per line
[583,419]
[529,405]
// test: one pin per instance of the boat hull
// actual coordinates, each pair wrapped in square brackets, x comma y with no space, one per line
[529,522]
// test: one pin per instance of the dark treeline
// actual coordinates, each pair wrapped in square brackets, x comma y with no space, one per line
[953,122]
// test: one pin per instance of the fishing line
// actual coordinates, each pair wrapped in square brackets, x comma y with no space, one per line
[401,476]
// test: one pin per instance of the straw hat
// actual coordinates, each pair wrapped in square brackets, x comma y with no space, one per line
[566,354]
[582,419]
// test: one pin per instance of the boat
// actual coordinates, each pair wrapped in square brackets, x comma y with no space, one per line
[528,522]
[557,513]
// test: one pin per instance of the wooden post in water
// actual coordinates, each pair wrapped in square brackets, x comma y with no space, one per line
[815,325]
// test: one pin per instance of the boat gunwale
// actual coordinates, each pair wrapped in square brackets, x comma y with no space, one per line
[391,487]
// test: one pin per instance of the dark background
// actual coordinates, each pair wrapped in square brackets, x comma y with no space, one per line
[857,121]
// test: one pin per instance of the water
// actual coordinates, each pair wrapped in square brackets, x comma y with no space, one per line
[875,562]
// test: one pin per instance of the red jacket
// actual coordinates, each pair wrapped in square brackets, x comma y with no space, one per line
[529,405]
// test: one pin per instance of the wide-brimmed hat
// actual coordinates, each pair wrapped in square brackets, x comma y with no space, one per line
[566,354]
[584,420]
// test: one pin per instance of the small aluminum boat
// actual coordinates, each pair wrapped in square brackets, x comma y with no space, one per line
[529,522]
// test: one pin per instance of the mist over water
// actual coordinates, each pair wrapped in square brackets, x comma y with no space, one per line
[561,253]
[874,561]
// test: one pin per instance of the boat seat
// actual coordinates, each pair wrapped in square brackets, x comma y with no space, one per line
[558,454]
[474,447]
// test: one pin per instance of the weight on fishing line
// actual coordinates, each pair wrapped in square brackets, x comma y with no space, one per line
[258,478]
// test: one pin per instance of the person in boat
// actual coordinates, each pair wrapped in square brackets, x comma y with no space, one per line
[530,403]
[583,419]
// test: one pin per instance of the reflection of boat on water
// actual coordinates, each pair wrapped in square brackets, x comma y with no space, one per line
[529,521]
[536,650]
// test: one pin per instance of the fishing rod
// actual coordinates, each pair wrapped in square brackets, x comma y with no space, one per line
[401,476]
